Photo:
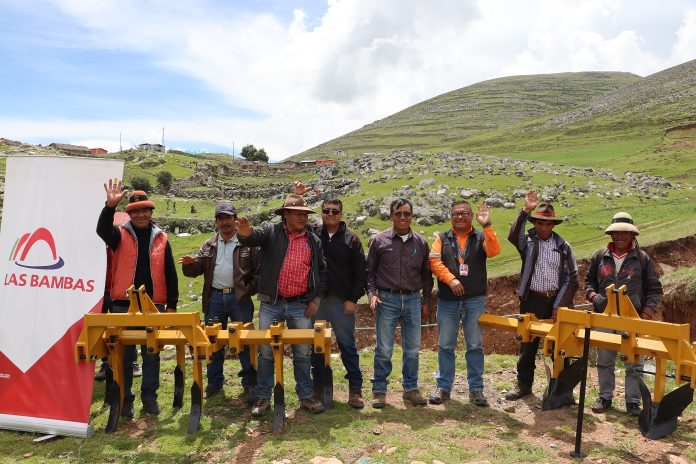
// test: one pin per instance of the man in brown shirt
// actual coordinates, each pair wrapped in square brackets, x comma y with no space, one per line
[397,270]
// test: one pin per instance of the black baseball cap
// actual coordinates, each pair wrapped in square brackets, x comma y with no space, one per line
[225,207]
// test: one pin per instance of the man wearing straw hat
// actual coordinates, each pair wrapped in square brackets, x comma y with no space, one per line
[549,277]
[621,262]
[292,281]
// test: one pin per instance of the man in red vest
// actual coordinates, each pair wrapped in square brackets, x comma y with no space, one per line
[142,256]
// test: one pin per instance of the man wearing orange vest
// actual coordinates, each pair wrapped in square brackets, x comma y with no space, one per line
[142,256]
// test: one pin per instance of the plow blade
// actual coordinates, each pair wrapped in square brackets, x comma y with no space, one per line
[559,392]
[196,408]
[178,387]
[251,397]
[328,387]
[113,399]
[660,419]
[278,408]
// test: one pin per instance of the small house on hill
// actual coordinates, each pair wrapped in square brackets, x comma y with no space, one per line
[152,147]
[72,150]
[98,151]
[325,162]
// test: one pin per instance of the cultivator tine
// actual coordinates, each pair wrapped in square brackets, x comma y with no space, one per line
[559,392]
[251,397]
[328,387]
[179,378]
[660,419]
[113,398]
[196,408]
[278,408]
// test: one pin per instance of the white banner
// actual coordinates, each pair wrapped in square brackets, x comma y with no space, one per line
[51,275]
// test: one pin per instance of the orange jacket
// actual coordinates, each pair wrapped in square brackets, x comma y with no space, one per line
[125,259]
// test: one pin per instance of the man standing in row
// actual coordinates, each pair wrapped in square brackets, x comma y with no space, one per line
[622,263]
[397,271]
[142,256]
[548,280]
[230,278]
[292,282]
[458,260]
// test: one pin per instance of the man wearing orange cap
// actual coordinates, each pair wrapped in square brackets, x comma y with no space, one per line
[549,278]
[621,262]
[142,256]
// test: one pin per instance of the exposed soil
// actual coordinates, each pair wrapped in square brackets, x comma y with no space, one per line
[502,299]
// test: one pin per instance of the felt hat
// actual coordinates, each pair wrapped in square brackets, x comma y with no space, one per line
[137,200]
[294,203]
[621,222]
[545,211]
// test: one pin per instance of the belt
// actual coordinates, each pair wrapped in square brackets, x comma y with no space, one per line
[290,299]
[546,294]
[397,291]
[223,290]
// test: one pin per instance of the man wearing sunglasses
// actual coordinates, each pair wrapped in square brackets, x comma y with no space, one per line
[397,271]
[346,280]
[458,260]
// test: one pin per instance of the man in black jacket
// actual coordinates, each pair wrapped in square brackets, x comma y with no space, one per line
[292,282]
[347,277]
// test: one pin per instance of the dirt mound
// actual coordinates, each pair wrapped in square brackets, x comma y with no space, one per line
[677,306]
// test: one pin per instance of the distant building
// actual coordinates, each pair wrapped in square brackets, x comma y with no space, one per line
[72,150]
[324,162]
[152,147]
[339,153]
[98,151]
[308,162]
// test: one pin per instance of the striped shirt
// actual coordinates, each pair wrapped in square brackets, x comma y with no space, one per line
[547,267]
[293,279]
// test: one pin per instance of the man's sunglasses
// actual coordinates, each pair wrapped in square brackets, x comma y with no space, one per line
[329,211]
[406,214]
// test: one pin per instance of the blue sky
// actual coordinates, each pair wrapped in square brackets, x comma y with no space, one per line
[288,75]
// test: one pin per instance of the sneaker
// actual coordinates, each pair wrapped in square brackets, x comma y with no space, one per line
[137,371]
[633,409]
[312,405]
[355,399]
[476,397]
[520,391]
[379,400]
[211,391]
[438,396]
[601,405]
[128,409]
[260,407]
[100,375]
[415,398]
[151,407]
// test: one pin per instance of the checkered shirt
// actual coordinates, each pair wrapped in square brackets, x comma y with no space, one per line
[547,268]
[294,274]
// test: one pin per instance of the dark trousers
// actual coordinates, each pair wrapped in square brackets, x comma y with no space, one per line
[542,308]
[151,363]
[221,308]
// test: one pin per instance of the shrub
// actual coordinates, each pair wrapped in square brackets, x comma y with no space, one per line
[141,183]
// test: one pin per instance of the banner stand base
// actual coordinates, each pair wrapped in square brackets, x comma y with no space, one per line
[46,426]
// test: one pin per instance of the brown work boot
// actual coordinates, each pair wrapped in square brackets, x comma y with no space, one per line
[520,391]
[312,405]
[439,396]
[355,399]
[379,400]
[476,397]
[415,398]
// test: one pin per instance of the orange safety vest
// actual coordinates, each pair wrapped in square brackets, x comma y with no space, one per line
[126,257]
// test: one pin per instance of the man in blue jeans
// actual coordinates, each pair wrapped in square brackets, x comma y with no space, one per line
[458,260]
[397,271]
[230,277]
[345,263]
[292,282]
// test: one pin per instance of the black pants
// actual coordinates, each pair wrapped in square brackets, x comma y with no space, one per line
[542,308]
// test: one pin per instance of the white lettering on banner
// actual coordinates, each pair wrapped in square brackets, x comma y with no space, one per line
[58,282]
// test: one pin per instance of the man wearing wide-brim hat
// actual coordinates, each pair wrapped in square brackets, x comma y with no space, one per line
[292,282]
[621,262]
[549,278]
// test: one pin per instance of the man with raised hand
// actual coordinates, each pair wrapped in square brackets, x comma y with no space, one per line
[292,282]
[620,263]
[548,280]
[458,260]
[142,256]
[230,278]
[397,271]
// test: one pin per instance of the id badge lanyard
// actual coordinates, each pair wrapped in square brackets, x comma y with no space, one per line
[461,257]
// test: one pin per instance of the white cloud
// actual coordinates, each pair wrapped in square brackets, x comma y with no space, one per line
[363,59]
